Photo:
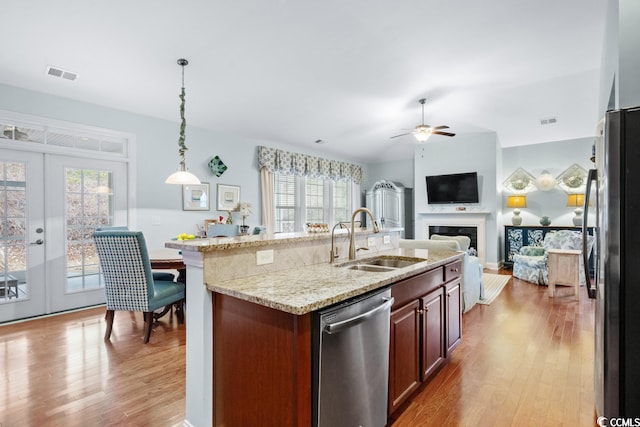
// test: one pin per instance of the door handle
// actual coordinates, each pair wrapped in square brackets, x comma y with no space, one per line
[37,242]
[333,328]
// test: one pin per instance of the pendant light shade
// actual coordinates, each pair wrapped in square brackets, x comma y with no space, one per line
[182,176]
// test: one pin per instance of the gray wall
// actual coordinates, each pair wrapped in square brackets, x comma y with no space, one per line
[157,157]
[464,153]
[554,157]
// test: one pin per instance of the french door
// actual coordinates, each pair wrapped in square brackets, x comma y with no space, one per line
[50,206]
[23,291]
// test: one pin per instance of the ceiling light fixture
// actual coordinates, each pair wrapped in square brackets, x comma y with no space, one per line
[182,176]
[422,132]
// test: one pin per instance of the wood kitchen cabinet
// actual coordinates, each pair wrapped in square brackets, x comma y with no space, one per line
[454,315]
[404,351]
[425,328]
[432,333]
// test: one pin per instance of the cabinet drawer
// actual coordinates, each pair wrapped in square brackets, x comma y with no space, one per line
[452,271]
[415,287]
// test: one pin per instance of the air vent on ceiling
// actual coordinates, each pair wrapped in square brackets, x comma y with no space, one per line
[63,74]
[548,121]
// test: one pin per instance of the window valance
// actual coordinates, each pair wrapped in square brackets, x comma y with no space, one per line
[289,163]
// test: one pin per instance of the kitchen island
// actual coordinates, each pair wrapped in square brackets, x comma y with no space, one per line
[249,325]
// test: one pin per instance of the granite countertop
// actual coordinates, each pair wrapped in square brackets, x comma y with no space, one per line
[303,290]
[236,242]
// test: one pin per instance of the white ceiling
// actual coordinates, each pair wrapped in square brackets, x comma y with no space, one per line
[349,72]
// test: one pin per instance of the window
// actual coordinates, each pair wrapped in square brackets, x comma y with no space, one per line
[301,200]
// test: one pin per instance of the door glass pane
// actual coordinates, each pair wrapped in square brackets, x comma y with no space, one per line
[89,204]
[13,222]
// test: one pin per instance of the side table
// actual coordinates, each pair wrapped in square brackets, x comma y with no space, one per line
[564,269]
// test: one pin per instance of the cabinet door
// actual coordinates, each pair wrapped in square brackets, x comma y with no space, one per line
[392,208]
[404,360]
[453,315]
[513,241]
[432,332]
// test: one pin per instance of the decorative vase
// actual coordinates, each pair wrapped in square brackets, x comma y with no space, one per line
[545,221]
[244,230]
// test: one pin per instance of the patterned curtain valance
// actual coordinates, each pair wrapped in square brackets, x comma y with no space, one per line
[290,163]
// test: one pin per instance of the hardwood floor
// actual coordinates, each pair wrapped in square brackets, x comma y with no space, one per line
[58,371]
[526,359]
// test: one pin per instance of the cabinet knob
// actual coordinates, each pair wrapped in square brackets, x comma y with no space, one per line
[455,270]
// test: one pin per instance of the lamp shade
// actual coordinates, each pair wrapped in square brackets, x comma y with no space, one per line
[575,200]
[421,136]
[182,177]
[517,201]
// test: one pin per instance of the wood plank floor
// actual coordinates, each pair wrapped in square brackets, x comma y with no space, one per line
[526,359]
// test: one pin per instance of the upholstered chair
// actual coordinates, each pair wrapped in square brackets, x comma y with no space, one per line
[129,282]
[530,263]
[157,275]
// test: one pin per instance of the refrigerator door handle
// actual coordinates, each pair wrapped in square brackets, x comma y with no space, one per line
[591,290]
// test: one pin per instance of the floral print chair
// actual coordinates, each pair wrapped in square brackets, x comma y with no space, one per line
[531,263]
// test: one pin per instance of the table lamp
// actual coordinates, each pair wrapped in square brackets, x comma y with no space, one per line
[517,202]
[577,201]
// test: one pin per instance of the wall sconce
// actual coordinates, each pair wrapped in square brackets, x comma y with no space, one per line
[545,182]
[516,202]
[577,201]
[182,176]
[520,182]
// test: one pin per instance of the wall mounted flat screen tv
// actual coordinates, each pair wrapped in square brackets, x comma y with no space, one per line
[452,188]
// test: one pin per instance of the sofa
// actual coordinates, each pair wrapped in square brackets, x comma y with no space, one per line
[471,280]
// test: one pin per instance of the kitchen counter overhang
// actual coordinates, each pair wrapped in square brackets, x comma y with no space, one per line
[303,290]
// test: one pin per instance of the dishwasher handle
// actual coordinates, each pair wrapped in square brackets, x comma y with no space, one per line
[333,328]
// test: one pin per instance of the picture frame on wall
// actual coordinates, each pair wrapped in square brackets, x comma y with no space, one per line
[195,197]
[228,197]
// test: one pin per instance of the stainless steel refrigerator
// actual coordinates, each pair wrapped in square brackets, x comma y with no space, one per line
[613,190]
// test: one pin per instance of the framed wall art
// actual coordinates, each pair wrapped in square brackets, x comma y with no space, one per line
[195,197]
[228,197]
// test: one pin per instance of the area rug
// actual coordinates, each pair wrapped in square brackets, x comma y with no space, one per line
[493,285]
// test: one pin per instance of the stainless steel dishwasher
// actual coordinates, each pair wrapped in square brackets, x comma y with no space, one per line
[351,362]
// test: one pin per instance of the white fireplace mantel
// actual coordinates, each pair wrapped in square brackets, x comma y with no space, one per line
[464,219]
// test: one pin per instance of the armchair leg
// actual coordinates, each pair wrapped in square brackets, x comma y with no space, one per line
[148,322]
[109,319]
[180,311]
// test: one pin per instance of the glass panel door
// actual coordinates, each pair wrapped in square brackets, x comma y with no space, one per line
[22,266]
[89,194]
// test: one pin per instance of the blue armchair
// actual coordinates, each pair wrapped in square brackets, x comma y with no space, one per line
[129,282]
[531,263]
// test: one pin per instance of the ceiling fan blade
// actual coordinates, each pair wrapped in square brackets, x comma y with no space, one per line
[440,127]
[435,132]
[402,134]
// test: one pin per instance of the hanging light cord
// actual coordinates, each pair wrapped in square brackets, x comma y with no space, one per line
[182,147]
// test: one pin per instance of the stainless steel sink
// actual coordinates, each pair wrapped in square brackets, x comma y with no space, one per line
[366,267]
[381,263]
[391,262]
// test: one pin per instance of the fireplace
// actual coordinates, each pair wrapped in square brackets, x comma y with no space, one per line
[457,230]
[470,224]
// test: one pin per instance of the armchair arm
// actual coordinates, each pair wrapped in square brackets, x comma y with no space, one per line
[532,251]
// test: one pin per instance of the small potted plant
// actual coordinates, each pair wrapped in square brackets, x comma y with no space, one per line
[245,211]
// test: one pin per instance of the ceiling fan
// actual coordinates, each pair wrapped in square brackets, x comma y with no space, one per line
[422,132]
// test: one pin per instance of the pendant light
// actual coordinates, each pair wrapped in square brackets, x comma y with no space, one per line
[182,176]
